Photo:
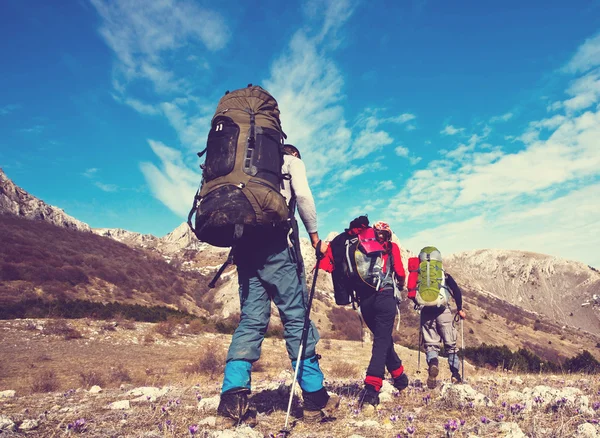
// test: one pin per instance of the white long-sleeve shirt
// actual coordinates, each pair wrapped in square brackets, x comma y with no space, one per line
[298,185]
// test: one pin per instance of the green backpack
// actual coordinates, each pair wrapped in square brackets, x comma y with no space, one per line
[431,286]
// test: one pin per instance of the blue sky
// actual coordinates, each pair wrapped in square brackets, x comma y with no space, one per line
[464,124]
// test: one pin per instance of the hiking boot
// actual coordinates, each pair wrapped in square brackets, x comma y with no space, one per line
[434,370]
[456,378]
[233,408]
[401,382]
[369,395]
[313,414]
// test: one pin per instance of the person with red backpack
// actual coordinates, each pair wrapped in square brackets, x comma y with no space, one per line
[366,264]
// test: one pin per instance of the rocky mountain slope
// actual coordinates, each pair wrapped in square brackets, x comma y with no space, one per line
[561,290]
[498,285]
[15,200]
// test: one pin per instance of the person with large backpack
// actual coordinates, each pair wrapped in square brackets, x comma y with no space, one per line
[247,177]
[367,269]
[430,287]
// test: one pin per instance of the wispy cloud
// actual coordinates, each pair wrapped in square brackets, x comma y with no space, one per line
[33,130]
[141,33]
[503,118]
[106,187]
[387,185]
[172,182]
[586,57]
[401,151]
[7,109]
[90,173]
[451,130]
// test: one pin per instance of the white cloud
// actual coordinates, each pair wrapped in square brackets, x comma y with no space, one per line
[401,151]
[90,173]
[172,183]
[33,130]
[414,160]
[7,109]
[140,33]
[561,227]
[451,130]
[141,107]
[352,172]
[387,185]
[503,118]
[106,187]
[586,57]
[585,91]
[402,118]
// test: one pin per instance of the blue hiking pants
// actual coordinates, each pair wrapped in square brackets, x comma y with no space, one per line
[267,271]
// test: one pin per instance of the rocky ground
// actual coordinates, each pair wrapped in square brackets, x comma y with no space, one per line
[111,388]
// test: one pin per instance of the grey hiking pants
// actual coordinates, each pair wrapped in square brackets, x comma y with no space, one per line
[437,326]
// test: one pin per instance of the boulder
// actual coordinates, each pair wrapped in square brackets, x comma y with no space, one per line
[586,430]
[95,389]
[209,404]
[457,395]
[6,423]
[120,405]
[29,425]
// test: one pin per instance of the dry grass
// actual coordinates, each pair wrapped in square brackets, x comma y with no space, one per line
[344,370]
[91,378]
[163,363]
[45,381]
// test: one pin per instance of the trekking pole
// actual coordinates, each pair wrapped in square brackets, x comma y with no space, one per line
[419,356]
[462,335]
[286,429]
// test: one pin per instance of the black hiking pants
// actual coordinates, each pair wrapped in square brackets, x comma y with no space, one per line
[378,310]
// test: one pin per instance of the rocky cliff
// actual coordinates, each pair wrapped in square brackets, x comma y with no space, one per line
[15,200]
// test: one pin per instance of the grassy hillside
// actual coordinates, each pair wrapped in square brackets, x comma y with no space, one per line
[40,260]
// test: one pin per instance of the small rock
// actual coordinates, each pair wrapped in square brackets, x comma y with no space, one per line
[517,380]
[586,430]
[455,395]
[208,421]
[238,432]
[366,423]
[29,425]
[95,389]
[148,391]
[209,404]
[122,404]
[511,430]
[10,393]
[6,423]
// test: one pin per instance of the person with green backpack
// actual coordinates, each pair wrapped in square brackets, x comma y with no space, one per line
[430,287]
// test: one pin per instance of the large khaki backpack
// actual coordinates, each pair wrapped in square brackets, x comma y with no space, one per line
[241,175]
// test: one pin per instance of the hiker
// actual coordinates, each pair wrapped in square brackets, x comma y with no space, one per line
[251,184]
[267,270]
[430,287]
[378,264]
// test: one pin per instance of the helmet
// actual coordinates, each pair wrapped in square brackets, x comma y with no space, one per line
[383,227]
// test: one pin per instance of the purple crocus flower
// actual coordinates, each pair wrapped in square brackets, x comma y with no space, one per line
[500,417]
[596,406]
[485,420]
[410,430]
[393,418]
[193,429]
[462,422]
[410,418]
